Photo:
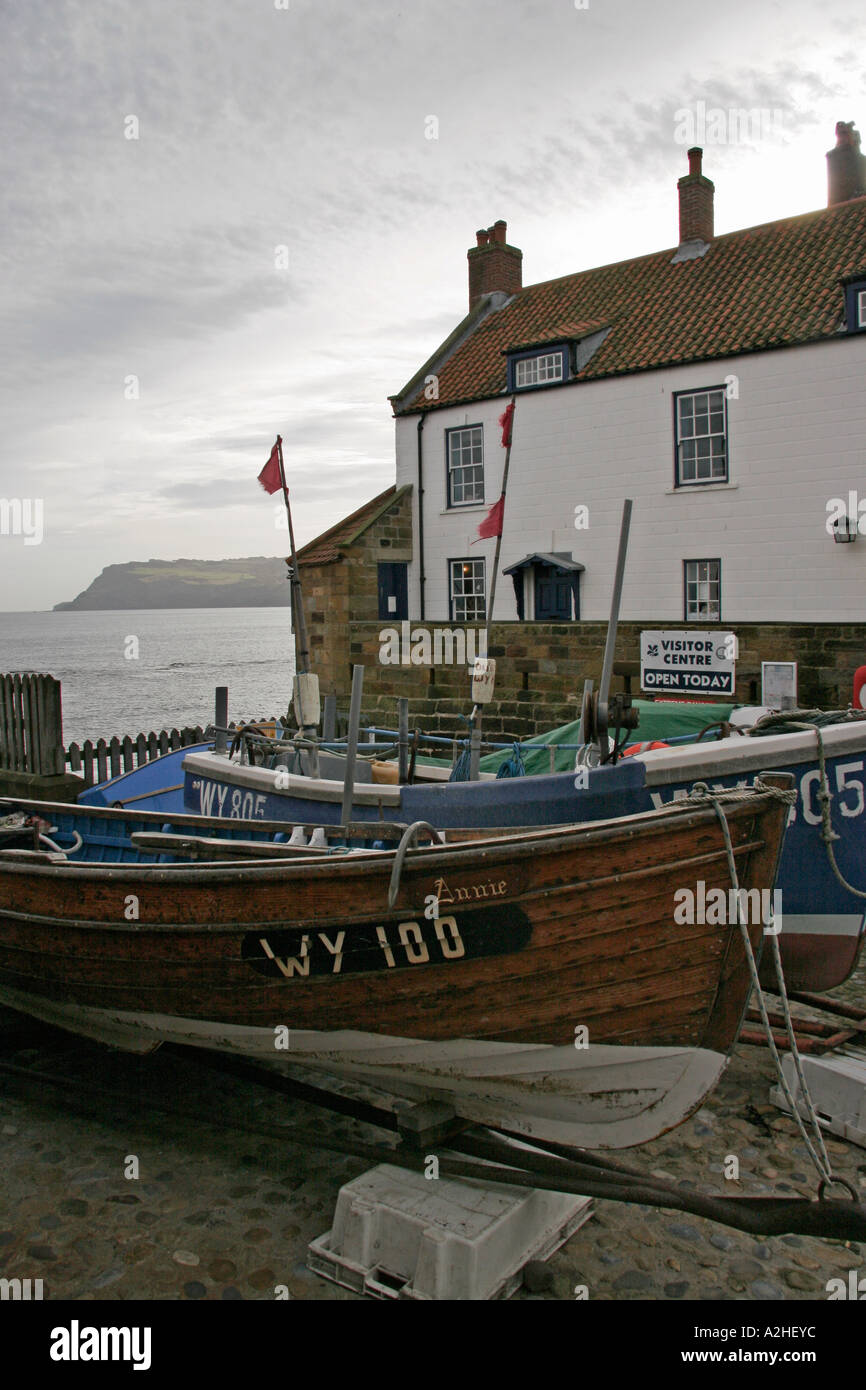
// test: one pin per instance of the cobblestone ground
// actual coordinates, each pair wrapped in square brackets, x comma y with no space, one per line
[219,1214]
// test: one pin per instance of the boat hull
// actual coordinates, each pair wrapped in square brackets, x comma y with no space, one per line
[559,940]
[602,1097]
[824,924]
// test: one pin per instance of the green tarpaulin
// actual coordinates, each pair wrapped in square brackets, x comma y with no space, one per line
[658,720]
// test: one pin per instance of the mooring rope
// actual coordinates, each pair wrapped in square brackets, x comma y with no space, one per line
[409,835]
[817,1151]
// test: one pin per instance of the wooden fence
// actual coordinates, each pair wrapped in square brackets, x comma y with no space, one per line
[31,736]
[109,757]
[31,726]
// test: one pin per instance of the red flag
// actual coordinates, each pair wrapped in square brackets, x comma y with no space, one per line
[270,476]
[506,419]
[492,523]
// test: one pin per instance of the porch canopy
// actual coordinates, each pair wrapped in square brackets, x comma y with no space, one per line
[557,585]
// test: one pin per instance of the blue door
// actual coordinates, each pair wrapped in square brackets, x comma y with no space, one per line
[552,597]
[393,591]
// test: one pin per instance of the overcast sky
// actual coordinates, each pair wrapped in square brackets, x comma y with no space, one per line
[305,125]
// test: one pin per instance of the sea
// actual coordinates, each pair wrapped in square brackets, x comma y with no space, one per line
[137,670]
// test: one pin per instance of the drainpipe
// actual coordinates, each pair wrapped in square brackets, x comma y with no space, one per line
[422,582]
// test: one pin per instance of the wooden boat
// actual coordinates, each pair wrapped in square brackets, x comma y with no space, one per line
[537,980]
[824,922]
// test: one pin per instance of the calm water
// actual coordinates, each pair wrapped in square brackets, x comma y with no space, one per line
[183,654]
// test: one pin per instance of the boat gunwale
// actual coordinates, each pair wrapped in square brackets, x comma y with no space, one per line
[519,844]
[136,926]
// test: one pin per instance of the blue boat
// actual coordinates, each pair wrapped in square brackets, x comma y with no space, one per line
[154,786]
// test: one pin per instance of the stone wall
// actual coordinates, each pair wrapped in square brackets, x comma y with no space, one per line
[541,668]
[346,589]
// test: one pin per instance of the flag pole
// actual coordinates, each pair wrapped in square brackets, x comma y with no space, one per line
[501,521]
[302,654]
[475,737]
[306,685]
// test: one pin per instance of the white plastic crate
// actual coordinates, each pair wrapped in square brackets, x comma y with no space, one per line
[837,1085]
[397,1234]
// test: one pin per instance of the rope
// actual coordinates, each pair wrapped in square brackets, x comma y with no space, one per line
[406,839]
[817,720]
[804,718]
[817,1152]
[463,766]
[513,766]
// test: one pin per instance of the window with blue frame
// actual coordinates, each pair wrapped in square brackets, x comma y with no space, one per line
[467,586]
[701,437]
[544,367]
[855,303]
[702,583]
[464,450]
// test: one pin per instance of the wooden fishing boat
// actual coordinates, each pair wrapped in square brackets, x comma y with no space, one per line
[540,981]
[824,920]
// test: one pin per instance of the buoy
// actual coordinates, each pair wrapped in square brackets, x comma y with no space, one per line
[642,748]
[859,701]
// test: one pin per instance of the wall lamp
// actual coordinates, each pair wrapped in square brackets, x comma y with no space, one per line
[845,530]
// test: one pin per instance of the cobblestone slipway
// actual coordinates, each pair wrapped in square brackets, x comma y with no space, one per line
[213,1215]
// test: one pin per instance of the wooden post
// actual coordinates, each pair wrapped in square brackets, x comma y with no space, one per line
[588,686]
[221,717]
[329,719]
[610,640]
[475,743]
[352,745]
[402,740]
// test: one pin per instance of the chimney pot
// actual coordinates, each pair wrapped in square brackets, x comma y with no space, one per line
[493,264]
[696,155]
[846,166]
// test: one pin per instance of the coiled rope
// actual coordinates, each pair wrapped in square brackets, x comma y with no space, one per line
[513,766]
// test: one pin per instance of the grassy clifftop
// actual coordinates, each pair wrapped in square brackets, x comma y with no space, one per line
[252,583]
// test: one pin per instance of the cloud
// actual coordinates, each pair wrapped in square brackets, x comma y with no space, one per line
[306,128]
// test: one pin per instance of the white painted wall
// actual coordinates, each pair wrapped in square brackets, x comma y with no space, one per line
[797,437]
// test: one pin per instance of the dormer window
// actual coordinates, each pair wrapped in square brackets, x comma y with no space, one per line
[536,371]
[541,367]
[854,287]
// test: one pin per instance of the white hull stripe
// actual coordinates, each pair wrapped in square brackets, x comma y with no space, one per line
[822,924]
[597,1097]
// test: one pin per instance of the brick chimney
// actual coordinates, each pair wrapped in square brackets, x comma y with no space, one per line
[696,201]
[846,166]
[493,264]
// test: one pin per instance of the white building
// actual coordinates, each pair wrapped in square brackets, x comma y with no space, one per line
[719,383]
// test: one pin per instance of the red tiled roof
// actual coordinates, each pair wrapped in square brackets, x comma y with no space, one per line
[771,286]
[326,548]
